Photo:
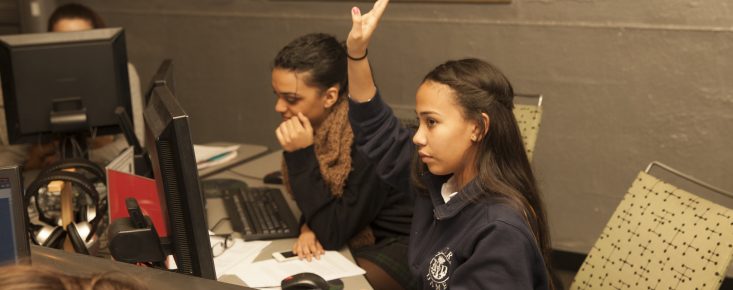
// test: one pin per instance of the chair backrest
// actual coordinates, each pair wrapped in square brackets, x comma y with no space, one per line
[528,119]
[660,237]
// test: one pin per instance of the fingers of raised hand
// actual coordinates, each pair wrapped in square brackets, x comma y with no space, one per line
[363,26]
[378,8]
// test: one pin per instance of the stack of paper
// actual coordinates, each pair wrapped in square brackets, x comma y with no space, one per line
[207,156]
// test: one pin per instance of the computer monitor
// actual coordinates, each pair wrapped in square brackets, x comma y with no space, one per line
[14,248]
[63,82]
[174,166]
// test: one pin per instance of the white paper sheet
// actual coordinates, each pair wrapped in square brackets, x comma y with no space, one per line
[240,252]
[124,162]
[269,273]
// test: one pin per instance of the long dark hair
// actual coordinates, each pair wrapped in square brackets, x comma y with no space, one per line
[504,172]
[319,54]
[73,10]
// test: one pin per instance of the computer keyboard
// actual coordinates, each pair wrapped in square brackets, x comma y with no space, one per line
[258,213]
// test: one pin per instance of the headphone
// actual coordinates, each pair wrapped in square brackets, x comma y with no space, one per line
[81,232]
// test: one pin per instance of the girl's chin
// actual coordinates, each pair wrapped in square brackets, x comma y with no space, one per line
[437,170]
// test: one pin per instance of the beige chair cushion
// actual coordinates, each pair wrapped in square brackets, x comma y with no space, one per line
[660,237]
[528,119]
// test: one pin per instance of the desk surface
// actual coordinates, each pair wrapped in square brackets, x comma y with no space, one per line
[258,168]
[252,173]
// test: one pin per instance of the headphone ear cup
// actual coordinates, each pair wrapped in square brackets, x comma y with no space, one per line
[77,241]
[86,214]
[48,236]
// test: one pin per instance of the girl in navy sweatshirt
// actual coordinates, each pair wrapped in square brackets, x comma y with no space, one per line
[479,222]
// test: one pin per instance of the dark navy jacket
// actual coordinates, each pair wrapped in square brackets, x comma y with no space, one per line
[454,245]
[367,200]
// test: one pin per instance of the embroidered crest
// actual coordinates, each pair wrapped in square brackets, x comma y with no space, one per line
[438,270]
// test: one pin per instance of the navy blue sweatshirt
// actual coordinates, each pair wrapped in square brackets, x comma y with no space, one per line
[367,200]
[453,245]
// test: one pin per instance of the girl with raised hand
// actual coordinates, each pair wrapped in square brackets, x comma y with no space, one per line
[479,222]
[343,200]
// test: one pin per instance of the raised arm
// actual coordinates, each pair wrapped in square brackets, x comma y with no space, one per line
[378,132]
[361,83]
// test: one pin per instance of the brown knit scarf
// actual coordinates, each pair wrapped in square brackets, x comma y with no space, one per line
[332,143]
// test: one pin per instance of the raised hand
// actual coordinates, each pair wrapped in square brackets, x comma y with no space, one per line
[363,27]
[295,133]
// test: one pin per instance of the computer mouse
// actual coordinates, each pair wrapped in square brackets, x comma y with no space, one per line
[304,281]
[275,177]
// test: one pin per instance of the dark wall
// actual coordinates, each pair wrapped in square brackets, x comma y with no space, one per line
[9,17]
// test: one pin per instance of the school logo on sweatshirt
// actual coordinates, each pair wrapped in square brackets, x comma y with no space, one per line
[439,268]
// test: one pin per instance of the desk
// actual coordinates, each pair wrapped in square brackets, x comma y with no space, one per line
[252,173]
[246,152]
[76,264]
[261,166]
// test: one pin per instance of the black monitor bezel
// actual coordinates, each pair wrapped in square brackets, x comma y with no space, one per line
[165,117]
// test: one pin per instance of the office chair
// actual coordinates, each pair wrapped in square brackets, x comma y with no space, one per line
[661,237]
[528,119]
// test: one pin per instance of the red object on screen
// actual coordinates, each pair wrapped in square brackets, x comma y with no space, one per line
[121,185]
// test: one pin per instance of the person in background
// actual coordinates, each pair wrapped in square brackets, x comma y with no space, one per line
[40,278]
[479,221]
[67,18]
[342,199]
[74,17]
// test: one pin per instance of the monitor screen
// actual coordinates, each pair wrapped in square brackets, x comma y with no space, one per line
[63,82]
[174,167]
[14,248]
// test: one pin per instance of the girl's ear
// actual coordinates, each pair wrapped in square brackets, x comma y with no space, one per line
[331,97]
[478,132]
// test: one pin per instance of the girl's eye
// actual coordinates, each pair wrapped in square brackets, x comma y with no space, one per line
[430,122]
[288,98]
[291,100]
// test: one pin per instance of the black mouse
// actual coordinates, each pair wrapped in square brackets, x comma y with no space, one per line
[275,177]
[309,281]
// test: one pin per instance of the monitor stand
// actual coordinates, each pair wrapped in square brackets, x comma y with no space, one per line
[68,117]
[73,146]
